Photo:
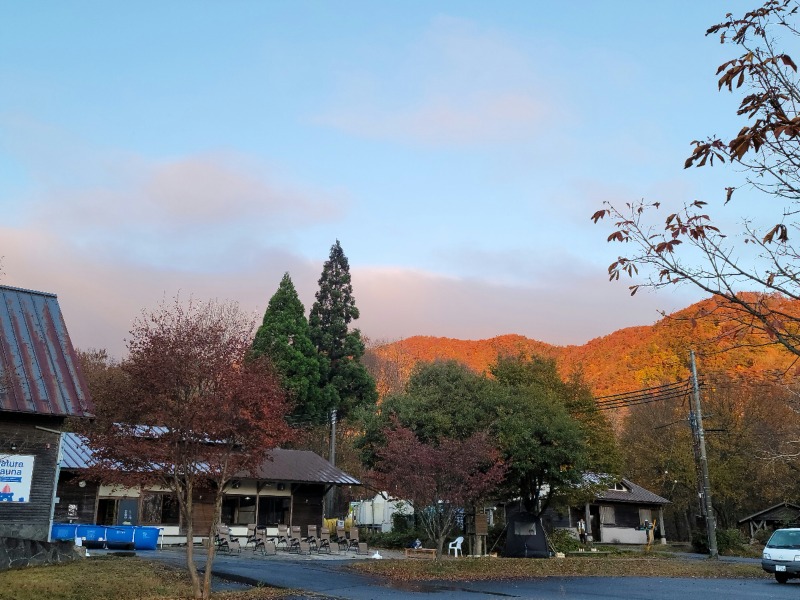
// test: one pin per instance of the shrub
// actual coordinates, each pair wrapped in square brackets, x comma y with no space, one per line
[729,541]
[762,535]
[563,541]
[393,540]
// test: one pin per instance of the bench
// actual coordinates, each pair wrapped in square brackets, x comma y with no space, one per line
[421,553]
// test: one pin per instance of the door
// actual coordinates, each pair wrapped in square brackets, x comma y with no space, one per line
[128,511]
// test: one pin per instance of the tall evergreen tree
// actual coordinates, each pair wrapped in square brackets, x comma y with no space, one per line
[284,337]
[346,383]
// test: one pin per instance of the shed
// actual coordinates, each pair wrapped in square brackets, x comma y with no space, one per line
[41,385]
[779,515]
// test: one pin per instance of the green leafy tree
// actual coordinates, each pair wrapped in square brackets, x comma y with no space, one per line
[284,337]
[544,448]
[441,400]
[346,384]
[540,373]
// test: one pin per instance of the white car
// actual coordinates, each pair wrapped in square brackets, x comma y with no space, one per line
[782,554]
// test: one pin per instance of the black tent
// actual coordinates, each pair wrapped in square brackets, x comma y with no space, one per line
[525,537]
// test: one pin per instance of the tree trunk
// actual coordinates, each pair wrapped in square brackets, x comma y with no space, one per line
[211,549]
[186,505]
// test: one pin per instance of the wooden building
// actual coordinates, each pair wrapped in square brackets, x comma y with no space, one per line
[41,385]
[287,489]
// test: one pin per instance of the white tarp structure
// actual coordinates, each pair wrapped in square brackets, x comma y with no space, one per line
[378,512]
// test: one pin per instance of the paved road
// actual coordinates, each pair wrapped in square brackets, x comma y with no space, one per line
[329,577]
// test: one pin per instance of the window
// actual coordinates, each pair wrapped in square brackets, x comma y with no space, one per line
[160,509]
[618,487]
[238,510]
[273,510]
[607,516]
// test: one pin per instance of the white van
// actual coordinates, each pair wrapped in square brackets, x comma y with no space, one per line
[782,554]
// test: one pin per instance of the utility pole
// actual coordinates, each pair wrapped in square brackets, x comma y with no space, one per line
[330,497]
[696,419]
[333,438]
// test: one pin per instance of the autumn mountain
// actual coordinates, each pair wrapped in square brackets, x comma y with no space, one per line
[626,360]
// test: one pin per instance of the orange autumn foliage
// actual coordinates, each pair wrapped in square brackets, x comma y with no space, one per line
[626,360]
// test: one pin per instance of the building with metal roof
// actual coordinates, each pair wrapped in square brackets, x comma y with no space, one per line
[41,385]
[39,368]
[286,489]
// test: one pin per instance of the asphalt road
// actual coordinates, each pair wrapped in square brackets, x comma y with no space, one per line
[330,578]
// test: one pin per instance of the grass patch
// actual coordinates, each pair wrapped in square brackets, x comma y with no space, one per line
[486,569]
[111,578]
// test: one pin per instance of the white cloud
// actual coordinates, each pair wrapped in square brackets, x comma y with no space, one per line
[460,84]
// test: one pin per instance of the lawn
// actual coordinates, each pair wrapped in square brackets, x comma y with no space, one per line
[110,578]
[625,565]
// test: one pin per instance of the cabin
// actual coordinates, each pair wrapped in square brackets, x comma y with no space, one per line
[41,386]
[287,489]
[622,513]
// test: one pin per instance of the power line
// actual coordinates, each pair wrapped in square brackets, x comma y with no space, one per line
[659,393]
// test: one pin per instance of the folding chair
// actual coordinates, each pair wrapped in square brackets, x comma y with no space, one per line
[251,536]
[295,539]
[283,537]
[341,538]
[224,541]
[352,543]
[324,540]
[311,538]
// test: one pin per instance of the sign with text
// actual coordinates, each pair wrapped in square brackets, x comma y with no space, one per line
[16,473]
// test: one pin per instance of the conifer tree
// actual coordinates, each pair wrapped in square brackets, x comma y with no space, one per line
[284,337]
[346,384]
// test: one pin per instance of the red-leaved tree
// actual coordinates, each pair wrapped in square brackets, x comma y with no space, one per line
[190,412]
[440,480]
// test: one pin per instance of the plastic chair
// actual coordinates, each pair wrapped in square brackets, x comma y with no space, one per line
[455,546]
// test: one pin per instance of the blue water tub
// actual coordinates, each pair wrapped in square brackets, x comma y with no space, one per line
[93,536]
[63,531]
[146,538]
[120,536]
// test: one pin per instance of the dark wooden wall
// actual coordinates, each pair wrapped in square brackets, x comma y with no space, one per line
[71,493]
[30,520]
[307,505]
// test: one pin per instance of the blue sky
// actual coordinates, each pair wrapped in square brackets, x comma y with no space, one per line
[456,149]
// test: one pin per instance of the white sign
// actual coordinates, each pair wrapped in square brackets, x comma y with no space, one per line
[16,472]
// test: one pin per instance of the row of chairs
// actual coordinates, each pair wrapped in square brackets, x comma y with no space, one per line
[290,540]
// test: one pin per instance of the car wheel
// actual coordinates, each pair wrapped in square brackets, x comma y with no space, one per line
[781,577]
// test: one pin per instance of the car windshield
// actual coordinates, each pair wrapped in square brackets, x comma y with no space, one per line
[784,539]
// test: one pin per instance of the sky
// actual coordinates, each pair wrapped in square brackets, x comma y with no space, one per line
[456,149]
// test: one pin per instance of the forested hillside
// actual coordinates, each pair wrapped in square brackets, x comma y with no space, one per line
[625,360]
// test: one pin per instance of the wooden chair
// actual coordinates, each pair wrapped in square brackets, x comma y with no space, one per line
[324,540]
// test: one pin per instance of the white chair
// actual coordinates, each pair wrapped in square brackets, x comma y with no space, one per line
[455,546]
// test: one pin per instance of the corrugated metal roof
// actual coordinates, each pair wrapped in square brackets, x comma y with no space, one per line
[39,371]
[635,495]
[75,454]
[300,466]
